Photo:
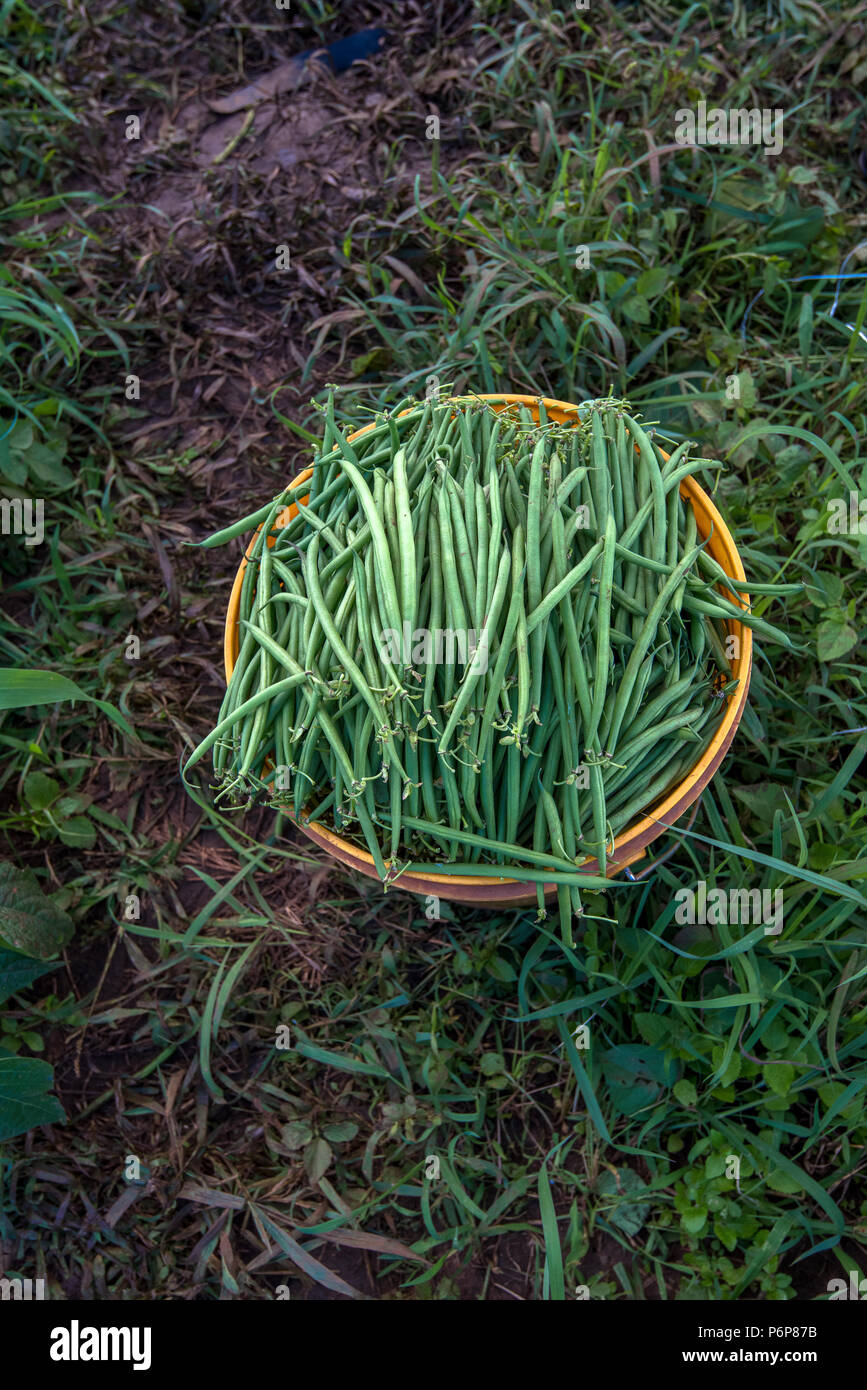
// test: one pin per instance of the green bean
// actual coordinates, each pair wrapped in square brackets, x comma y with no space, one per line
[451,583]
[639,651]
[379,541]
[240,528]
[515,610]
[478,663]
[555,830]
[436,609]
[638,693]
[721,607]
[600,477]
[650,737]
[248,707]
[579,877]
[598,618]
[460,545]
[465,837]
[739,586]
[408,577]
[650,467]
[523,676]
[554,596]
[333,736]
[333,636]
[484,590]
[651,791]
[603,621]
[689,537]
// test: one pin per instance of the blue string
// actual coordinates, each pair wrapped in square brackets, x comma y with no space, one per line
[799,280]
[11,427]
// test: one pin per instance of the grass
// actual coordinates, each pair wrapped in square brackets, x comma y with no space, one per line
[330,1089]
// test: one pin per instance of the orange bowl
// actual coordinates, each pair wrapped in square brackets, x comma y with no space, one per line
[632,843]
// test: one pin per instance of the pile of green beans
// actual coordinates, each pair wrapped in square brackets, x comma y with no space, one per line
[601,666]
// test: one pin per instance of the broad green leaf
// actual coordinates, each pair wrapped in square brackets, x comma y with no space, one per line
[762,800]
[652,282]
[44,465]
[21,437]
[12,466]
[733,1069]
[491,1063]
[296,1134]
[317,1159]
[654,1028]
[694,1221]
[25,1100]
[341,1132]
[628,1215]
[40,790]
[636,308]
[17,972]
[635,1076]
[834,640]
[79,832]
[500,968]
[44,458]
[791,456]
[715,1164]
[498,1083]
[29,920]
[824,589]
[377,359]
[747,396]
[784,1182]
[779,1077]
[685,1092]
